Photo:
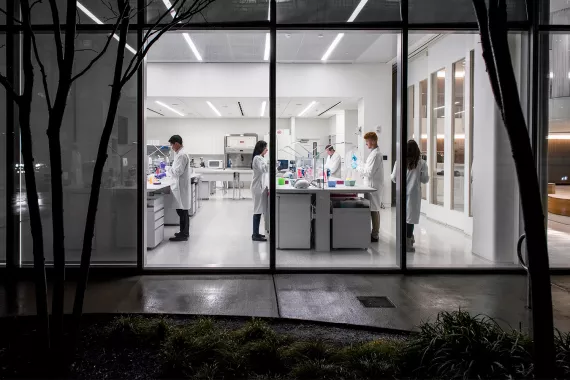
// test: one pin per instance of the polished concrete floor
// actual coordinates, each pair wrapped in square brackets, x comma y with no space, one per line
[328,298]
[221,237]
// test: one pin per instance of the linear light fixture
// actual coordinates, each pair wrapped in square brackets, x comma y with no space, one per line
[98,21]
[341,35]
[214,108]
[357,10]
[168,6]
[192,46]
[267,47]
[169,108]
[332,47]
[311,105]
[263,106]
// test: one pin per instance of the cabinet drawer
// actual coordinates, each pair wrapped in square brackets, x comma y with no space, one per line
[159,214]
[155,203]
[159,223]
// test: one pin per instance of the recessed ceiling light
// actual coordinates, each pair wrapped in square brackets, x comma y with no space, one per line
[263,105]
[267,47]
[169,108]
[321,36]
[288,35]
[213,108]
[311,105]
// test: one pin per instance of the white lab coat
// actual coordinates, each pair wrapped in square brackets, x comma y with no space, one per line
[180,185]
[373,172]
[333,164]
[259,184]
[414,179]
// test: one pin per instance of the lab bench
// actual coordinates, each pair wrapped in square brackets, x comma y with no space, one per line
[322,215]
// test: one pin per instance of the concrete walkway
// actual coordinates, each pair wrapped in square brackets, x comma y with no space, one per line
[329,298]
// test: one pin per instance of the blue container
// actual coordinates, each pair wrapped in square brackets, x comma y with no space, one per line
[332,183]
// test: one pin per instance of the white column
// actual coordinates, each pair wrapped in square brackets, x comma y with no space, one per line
[448,143]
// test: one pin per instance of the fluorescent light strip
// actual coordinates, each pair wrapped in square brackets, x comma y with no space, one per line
[357,10]
[267,42]
[168,6]
[98,21]
[333,46]
[192,46]
[169,108]
[341,35]
[311,105]
[263,106]
[214,108]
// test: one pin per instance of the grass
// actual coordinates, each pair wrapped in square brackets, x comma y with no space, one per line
[455,345]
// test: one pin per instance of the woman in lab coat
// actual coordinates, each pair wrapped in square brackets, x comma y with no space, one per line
[333,162]
[373,172]
[259,187]
[416,175]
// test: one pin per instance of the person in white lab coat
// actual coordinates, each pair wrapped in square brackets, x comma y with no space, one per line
[333,162]
[373,172]
[180,187]
[259,187]
[417,173]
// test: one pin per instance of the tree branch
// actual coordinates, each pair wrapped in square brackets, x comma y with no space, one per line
[100,55]
[43,71]
[8,86]
[56,32]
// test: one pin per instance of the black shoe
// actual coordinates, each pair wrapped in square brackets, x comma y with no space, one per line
[258,238]
[179,238]
[179,234]
[261,236]
[374,240]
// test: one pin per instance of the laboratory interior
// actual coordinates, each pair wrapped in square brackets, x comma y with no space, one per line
[212,89]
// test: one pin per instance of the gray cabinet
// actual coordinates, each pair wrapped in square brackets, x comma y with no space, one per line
[293,221]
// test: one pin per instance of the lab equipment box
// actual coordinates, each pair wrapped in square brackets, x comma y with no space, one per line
[351,224]
[293,221]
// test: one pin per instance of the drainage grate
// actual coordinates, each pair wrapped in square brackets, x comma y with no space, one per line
[376,302]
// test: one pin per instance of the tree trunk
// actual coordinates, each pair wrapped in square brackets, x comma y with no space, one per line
[492,24]
[24,111]
[53,132]
[116,89]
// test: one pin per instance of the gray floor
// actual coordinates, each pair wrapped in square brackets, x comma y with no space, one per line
[220,236]
[329,298]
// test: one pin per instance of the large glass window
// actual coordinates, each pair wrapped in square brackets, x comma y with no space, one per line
[461,119]
[3,163]
[457,11]
[557,155]
[334,88]
[458,118]
[333,11]
[221,112]
[115,240]
[438,136]
[219,11]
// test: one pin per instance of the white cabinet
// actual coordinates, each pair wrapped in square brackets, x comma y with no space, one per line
[154,221]
[293,221]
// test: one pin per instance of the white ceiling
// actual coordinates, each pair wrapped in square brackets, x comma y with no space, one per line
[294,46]
[229,108]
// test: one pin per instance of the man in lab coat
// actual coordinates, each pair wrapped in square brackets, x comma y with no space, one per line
[333,162]
[180,187]
[373,173]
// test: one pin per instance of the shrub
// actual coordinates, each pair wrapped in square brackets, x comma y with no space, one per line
[139,330]
[307,350]
[372,360]
[316,369]
[458,345]
[254,330]
[562,346]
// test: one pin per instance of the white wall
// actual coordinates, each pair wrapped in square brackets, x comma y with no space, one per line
[370,83]
[206,136]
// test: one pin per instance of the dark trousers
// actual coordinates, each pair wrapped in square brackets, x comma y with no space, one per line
[256,222]
[184,222]
[409,230]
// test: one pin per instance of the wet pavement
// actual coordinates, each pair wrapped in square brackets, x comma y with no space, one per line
[328,298]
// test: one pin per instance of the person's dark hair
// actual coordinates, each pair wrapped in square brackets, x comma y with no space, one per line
[259,148]
[329,147]
[413,154]
[175,139]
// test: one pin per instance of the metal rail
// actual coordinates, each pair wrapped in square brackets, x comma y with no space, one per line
[525,266]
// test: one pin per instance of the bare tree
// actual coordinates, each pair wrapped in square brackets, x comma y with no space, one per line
[493,29]
[179,13]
